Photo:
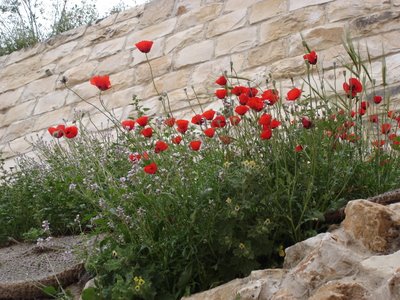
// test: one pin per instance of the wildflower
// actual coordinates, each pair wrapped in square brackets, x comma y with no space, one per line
[160,146]
[377,99]
[218,122]
[298,148]
[271,96]
[378,144]
[128,124]
[150,168]
[142,121]
[221,81]
[311,57]
[228,200]
[71,132]
[265,119]
[392,136]
[177,140]
[251,92]
[235,120]
[56,132]
[242,246]
[237,90]
[114,254]
[195,145]
[266,134]
[364,104]
[169,122]
[373,118]
[391,114]
[198,119]
[243,99]
[144,46]
[210,132]
[307,124]
[281,251]
[220,93]
[352,137]
[134,157]
[225,139]
[102,82]
[293,94]
[275,123]
[361,111]
[241,109]
[147,132]
[256,103]
[209,114]
[385,128]
[353,87]
[182,125]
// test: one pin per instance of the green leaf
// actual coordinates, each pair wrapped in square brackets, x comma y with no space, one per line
[50,290]
[89,294]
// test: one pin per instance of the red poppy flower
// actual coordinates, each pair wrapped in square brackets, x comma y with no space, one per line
[251,92]
[169,122]
[348,124]
[241,109]
[237,90]
[160,146]
[221,81]
[209,132]
[391,114]
[243,99]
[265,119]
[195,145]
[271,96]
[218,122]
[57,132]
[128,124]
[235,120]
[311,57]
[373,118]
[266,134]
[198,119]
[147,132]
[361,111]
[298,148]
[293,94]
[256,103]
[378,144]
[353,87]
[385,128]
[182,125]
[102,82]
[221,93]
[144,46]
[377,99]
[352,114]
[142,121]
[352,137]
[71,131]
[134,157]
[150,168]
[275,123]
[392,136]
[177,140]
[364,104]
[307,124]
[209,114]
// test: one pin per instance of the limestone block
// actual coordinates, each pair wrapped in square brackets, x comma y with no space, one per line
[392,69]
[340,9]
[103,22]
[160,66]
[80,73]
[107,48]
[154,105]
[267,53]
[59,52]
[156,51]
[121,98]
[53,118]
[232,5]
[341,291]
[199,16]
[25,53]
[39,88]
[84,90]
[151,33]
[67,36]
[50,102]
[183,6]
[184,38]
[92,105]
[17,129]
[115,63]
[288,67]
[73,59]
[174,80]
[396,2]
[296,4]
[156,12]
[236,41]
[291,23]
[131,13]
[182,102]
[376,23]
[21,145]
[380,44]
[99,121]
[193,54]
[266,9]
[384,265]
[227,22]
[19,112]
[374,225]
[10,98]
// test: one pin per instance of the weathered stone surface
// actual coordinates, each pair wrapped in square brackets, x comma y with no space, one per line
[131,13]
[67,36]
[374,225]
[20,145]
[194,54]
[18,56]
[296,4]
[174,80]
[287,68]
[236,41]
[227,22]
[160,66]
[156,11]
[184,38]
[80,73]
[267,53]
[59,52]
[19,112]
[375,23]
[183,6]
[266,9]
[232,5]
[53,118]
[199,16]
[341,291]
[17,129]
[107,48]
[72,59]
[115,63]
[50,102]
[39,88]
[10,98]
[122,98]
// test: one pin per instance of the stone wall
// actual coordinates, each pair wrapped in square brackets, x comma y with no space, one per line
[194,42]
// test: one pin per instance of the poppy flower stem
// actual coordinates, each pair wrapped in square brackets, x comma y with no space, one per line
[152,75]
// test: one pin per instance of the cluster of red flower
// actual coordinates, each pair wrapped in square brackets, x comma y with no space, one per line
[60,130]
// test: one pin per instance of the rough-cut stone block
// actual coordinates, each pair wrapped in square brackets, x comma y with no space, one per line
[122,98]
[156,51]
[84,90]
[67,36]
[183,6]
[160,66]
[195,53]
[199,16]
[392,70]
[50,102]
[53,118]
[341,10]
[107,48]
[266,9]
[39,88]
[171,81]
[99,121]
[267,53]
[287,67]
[184,38]
[59,52]
[228,22]
[80,73]
[296,4]
[232,5]
[131,13]
[73,59]
[17,129]
[18,56]
[291,23]
[379,45]
[396,2]
[156,12]
[376,23]
[19,112]
[236,41]
[19,146]
[10,98]
[122,80]
[115,63]
[151,33]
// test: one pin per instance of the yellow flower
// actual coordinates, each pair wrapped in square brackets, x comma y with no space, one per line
[137,288]
[281,251]
[228,200]
[242,246]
